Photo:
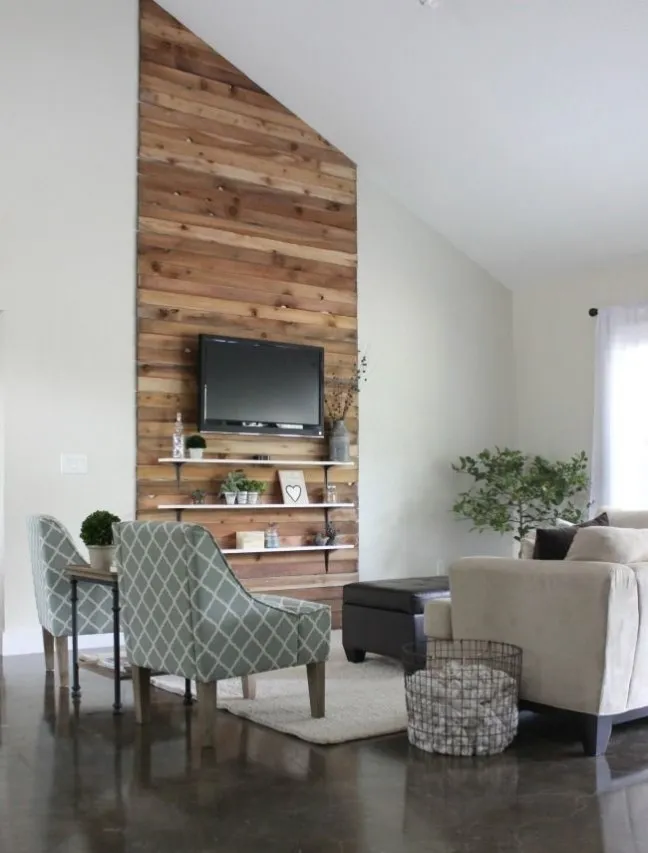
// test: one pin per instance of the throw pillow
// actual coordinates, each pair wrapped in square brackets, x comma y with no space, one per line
[527,545]
[610,545]
[553,543]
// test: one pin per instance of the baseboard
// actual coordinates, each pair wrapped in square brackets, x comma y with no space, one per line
[29,641]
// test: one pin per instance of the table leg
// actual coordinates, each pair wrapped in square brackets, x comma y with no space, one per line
[76,688]
[116,650]
[188,697]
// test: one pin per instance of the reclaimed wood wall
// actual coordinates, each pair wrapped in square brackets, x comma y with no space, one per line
[246,227]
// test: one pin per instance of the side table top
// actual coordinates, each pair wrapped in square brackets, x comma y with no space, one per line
[87,573]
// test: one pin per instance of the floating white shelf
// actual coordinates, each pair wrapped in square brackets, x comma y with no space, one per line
[255,507]
[287,548]
[275,463]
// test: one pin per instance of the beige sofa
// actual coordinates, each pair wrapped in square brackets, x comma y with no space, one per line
[582,626]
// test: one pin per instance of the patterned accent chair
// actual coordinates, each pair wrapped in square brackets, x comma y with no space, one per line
[52,549]
[185,613]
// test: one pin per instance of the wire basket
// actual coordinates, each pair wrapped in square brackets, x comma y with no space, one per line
[462,696]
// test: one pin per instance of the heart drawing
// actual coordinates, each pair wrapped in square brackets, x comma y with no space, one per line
[293,492]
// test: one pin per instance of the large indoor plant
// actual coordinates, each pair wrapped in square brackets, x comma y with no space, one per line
[515,492]
[97,535]
[339,395]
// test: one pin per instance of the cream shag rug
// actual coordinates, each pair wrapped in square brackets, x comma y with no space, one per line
[362,700]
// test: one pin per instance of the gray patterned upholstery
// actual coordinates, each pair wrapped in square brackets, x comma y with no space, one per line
[185,612]
[52,550]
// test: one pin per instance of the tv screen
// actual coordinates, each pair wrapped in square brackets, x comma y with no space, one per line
[260,387]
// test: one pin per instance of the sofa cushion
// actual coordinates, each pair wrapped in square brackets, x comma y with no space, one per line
[553,543]
[610,545]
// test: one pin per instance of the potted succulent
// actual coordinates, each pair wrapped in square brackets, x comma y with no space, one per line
[255,488]
[97,535]
[231,486]
[331,534]
[198,496]
[196,445]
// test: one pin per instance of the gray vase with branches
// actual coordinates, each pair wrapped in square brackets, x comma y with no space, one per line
[340,393]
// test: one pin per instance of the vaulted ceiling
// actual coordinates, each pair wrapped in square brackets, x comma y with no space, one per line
[518,129]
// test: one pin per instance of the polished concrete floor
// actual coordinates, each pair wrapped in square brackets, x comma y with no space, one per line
[92,783]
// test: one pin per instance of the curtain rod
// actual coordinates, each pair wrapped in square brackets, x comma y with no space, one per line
[593,312]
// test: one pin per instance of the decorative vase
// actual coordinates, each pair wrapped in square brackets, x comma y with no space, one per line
[320,539]
[101,557]
[196,452]
[339,441]
[230,498]
[253,497]
[242,497]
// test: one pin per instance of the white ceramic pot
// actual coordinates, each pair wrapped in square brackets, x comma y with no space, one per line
[196,452]
[230,498]
[242,497]
[102,557]
[253,497]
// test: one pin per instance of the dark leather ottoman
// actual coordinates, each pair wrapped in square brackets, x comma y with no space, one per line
[382,616]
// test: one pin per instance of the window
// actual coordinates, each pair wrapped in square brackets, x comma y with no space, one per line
[620,454]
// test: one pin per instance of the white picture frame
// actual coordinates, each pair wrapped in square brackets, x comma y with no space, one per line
[293,488]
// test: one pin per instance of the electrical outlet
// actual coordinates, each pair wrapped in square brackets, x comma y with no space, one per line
[74,463]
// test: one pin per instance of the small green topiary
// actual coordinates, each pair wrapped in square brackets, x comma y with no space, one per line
[96,530]
[196,441]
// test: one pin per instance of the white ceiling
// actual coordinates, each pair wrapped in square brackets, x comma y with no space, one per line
[516,128]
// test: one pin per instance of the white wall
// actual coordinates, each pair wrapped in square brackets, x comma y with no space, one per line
[67,270]
[437,331]
[554,354]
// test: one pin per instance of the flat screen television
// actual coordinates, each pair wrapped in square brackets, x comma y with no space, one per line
[259,387]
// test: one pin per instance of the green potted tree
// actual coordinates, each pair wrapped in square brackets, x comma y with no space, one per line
[515,492]
[231,486]
[255,488]
[97,535]
[196,445]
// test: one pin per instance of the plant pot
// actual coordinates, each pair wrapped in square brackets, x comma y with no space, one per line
[339,442]
[101,557]
[230,498]
[253,497]
[320,539]
[196,452]
[241,497]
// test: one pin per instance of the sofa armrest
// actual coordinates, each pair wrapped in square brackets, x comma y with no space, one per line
[437,621]
[576,623]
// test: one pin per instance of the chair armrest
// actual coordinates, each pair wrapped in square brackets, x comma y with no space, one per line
[576,622]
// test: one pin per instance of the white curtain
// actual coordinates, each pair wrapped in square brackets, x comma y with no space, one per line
[620,449]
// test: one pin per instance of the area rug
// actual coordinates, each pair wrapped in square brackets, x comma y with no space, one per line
[362,700]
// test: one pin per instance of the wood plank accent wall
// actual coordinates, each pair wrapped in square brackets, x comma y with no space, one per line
[246,227]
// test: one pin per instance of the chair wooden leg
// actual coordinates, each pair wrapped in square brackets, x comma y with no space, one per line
[249,686]
[48,649]
[142,693]
[316,673]
[62,660]
[207,713]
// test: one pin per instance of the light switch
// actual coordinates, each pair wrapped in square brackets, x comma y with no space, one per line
[74,463]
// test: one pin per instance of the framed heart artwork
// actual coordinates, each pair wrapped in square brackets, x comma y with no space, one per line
[293,487]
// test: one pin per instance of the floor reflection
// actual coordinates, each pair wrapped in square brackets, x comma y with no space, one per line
[78,780]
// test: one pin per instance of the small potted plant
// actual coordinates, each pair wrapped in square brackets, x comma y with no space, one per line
[243,494]
[331,534]
[255,489]
[198,496]
[196,445]
[231,486]
[97,535]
